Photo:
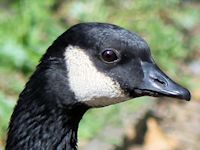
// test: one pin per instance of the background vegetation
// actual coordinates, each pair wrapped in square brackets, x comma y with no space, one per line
[27,28]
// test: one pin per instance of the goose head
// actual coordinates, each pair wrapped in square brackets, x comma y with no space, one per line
[106,64]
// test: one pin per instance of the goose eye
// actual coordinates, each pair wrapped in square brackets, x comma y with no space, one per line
[110,56]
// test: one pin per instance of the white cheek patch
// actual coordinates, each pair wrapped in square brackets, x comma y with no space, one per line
[88,84]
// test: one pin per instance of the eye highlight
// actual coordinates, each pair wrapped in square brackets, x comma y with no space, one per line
[110,56]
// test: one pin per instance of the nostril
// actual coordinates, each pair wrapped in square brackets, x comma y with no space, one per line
[159,82]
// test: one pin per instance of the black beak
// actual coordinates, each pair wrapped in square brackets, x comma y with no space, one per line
[156,83]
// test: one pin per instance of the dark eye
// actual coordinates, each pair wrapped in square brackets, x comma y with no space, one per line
[110,56]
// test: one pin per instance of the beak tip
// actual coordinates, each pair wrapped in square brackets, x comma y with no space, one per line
[186,95]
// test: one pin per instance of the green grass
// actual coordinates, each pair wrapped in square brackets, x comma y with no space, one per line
[96,119]
[6,107]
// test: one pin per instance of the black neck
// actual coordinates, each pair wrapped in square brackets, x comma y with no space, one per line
[43,129]
[47,115]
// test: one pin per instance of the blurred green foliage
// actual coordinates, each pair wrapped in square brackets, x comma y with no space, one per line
[27,28]
[6,105]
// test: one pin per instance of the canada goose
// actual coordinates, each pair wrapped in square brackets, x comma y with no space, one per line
[89,65]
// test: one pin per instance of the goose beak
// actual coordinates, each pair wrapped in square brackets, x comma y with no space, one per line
[156,83]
